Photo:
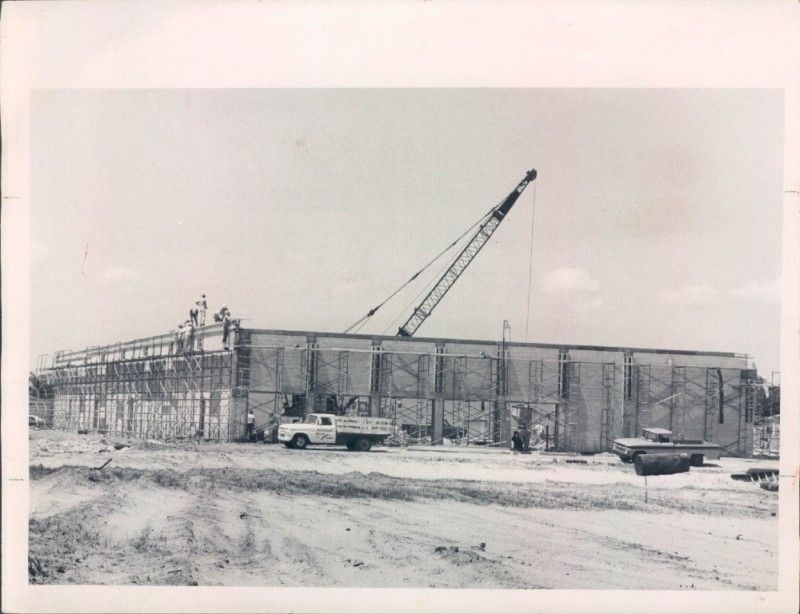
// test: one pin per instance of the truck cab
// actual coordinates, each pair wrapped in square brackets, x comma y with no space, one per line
[320,428]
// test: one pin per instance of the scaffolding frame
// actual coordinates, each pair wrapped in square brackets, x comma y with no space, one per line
[471,416]
[411,418]
[402,381]
[180,396]
[547,386]
[607,421]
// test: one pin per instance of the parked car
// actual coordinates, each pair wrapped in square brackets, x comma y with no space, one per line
[355,432]
[35,422]
[656,440]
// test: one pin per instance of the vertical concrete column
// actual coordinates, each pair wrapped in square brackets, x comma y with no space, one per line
[237,405]
[501,407]
[503,412]
[375,404]
[747,411]
[437,409]
[375,379]
[629,396]
[557,440]
[311,374]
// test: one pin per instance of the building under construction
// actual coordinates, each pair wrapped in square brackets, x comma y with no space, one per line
[469,392]
[463,391]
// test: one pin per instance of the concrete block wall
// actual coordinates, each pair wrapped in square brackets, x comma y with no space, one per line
[587,397]
[264,359]
[671,389]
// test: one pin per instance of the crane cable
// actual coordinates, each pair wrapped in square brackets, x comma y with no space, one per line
[360,322]
[530,262]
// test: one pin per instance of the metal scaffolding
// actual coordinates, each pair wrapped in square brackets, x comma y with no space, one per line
[402,380]
[166,397]
[548,402]
[467,392]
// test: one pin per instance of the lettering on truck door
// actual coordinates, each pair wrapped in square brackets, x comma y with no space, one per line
[325,431]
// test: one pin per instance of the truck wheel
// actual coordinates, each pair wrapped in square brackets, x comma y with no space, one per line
[696,460]
[363,444]
[299,442]
[350,445]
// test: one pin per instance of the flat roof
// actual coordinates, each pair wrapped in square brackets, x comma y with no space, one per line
[490,342]
[215,327]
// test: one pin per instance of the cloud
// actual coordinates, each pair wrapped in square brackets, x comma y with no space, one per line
[690,295]
[569,280]
[758,291]
[119,274]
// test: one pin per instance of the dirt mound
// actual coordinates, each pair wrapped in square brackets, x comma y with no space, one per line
[459,556]
[253,515]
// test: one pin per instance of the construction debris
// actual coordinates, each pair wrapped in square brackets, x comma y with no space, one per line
[101,467]
[757,474]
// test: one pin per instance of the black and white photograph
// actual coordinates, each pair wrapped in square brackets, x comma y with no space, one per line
[418,336]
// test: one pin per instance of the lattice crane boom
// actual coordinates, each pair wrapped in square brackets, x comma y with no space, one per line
[467,255]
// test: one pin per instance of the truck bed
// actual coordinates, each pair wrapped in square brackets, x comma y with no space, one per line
[357,425]
[625,448]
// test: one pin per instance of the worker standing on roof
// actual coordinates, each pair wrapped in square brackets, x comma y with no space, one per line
[179,336]
[202,307]
[226,330]
[188,326]
[220,315]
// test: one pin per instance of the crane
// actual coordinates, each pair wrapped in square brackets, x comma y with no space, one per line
[488,225]
[467,255]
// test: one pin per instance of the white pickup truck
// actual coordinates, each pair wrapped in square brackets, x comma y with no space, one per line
[655,441]
[355,432]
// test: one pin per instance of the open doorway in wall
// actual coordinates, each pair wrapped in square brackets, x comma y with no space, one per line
[412,420]
[471,422]
[542,426]
[342,404]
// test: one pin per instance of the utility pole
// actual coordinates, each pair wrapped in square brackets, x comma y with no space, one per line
[502,378]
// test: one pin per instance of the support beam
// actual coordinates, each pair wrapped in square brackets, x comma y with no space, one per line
[376,370]
[437,407]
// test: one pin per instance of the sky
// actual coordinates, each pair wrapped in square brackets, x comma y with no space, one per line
[656,213]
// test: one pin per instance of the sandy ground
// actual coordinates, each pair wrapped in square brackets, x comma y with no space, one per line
[252,514]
